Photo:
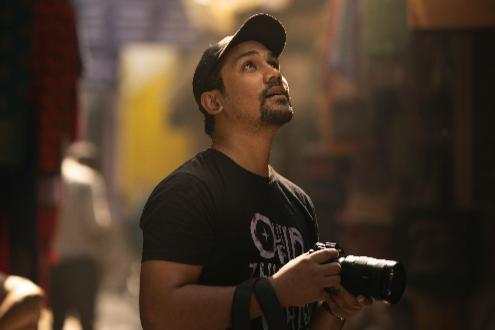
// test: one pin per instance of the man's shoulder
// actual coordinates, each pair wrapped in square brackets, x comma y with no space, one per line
[199,172]
[202,168]
[201,165]
[188,188]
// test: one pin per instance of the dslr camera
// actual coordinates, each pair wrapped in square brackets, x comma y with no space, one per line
[380,279]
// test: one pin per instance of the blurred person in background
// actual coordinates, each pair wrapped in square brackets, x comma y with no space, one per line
[21,303]
[226,216]
[82,227]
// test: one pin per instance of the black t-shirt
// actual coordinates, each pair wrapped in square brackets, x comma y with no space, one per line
[236,224]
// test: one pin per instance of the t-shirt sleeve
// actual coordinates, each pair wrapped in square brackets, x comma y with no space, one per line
[176,221]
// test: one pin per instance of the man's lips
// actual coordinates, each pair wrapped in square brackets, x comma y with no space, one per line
[277,91]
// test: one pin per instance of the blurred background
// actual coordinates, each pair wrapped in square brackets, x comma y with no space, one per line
[392,136]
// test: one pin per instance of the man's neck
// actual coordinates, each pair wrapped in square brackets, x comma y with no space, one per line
[251,152]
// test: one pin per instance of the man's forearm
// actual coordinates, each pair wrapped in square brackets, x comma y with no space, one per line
[193,306]
[169,297]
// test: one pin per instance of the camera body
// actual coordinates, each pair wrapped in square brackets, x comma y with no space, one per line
[380,279]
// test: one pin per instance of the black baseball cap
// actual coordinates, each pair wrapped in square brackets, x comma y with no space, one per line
[262,28]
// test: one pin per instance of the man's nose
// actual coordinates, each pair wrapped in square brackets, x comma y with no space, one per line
[272,74]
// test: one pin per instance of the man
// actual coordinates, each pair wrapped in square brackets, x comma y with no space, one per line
[227,216]
[83,225]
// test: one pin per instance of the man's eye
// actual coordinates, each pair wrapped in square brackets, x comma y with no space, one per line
[275,65]
[248,66]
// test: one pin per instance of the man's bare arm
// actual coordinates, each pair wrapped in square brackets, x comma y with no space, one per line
[171,299]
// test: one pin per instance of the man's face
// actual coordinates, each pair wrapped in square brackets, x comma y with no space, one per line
[255,91]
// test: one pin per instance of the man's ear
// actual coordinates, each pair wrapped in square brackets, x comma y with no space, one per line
[210,100]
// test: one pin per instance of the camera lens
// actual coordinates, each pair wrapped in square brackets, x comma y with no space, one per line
[378,278]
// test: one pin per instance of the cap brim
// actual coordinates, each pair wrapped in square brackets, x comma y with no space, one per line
[263,28]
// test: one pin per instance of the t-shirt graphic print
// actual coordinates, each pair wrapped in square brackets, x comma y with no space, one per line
[278,244]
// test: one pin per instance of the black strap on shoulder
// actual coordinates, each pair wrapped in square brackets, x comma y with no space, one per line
[239,315]
[268,301]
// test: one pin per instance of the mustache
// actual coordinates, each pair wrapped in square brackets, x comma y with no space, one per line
[271,84]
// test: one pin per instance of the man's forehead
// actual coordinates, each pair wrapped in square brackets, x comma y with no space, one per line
[247,48]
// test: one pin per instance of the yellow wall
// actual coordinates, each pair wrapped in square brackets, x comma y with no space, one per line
[149,146]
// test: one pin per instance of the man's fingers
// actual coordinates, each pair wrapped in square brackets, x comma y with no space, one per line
[331,282]
[341,309]
[336,309]
[331,269]
[324,255]
[347,300]
[363,300]
[345,304]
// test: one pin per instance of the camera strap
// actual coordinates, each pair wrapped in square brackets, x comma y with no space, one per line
[267,299]
[239,314]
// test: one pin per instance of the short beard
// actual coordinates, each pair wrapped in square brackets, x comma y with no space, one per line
[274,116]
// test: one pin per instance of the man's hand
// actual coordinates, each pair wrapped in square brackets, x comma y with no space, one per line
[344,305]
[341,305]
[303,279]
